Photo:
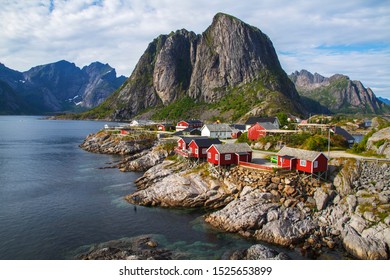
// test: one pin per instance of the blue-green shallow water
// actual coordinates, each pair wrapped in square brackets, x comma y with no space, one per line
[54,199]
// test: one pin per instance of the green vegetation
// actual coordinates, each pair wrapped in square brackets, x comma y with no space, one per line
[325,95]
[315,143]
[180,109]
[243,138]
[169,146]
[380,143]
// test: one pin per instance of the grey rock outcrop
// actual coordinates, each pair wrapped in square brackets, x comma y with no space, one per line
[261,252]
[106,143]
[358,218]
[383,138]
[142,247]
[145,161]
[170,185]
[255,214]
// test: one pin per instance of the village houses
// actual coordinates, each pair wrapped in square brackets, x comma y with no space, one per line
[192,124]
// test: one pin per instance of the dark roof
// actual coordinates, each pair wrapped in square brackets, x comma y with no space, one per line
[192,121]
[341,131]
[238,126]
[200,142]
[233,148]
[221,127]
[188,139]
[253,120]
[267,125]
[166,124]
[298,153]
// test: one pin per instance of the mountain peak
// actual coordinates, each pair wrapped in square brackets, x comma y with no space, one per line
[338,93]
[205,68]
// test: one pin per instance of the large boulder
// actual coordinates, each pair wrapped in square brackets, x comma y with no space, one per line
[380,142]
[364,248]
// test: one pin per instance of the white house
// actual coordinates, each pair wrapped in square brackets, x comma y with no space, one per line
[223,131]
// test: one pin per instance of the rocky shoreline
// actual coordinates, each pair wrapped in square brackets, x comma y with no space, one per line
[350,212]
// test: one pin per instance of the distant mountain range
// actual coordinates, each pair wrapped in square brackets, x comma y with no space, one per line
[384,100]
[56,87]
[336,94]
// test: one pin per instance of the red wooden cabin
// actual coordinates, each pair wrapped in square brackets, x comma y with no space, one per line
[188,124]
[227,154]
[259,130]
[302,160]
[165,127]
[198,147]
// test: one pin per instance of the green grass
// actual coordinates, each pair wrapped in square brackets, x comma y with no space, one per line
[182,108]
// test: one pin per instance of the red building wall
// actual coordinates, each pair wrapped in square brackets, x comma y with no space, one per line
[301,166]
[211,152]
[305,165]
[181,144]
[200,154]
[182,123]
[322,164]
[256,131]
[232,158]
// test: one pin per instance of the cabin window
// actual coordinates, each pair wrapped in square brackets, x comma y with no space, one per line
[209,155]
[315,164]
[196,151]
[228,157]
[216,157]
[204,151]
[302,163]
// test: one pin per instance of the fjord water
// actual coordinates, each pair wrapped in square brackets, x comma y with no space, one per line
[54,199]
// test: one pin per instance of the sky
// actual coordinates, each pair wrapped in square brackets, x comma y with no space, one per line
[350,37]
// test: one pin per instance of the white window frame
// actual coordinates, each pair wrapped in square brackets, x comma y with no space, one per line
[303,162]
[315,164]
[216,157]
[196,151]
[228,157]
[204,151]
[209,155]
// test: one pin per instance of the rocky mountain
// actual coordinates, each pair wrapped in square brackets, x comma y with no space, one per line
[11,102]
[62,86]
[231,66]
[338,93]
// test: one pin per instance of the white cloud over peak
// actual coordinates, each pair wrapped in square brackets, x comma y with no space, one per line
[349,37]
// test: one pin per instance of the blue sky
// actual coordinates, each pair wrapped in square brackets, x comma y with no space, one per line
[350,37]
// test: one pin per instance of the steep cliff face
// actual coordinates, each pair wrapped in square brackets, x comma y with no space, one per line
[231,52]
[102,81]
[338,93]
[229,56]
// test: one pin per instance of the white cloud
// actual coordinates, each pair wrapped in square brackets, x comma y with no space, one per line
[306,34]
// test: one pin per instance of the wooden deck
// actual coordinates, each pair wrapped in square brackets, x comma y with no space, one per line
[184,153]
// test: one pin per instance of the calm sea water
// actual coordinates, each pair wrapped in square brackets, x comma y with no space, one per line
[54,199]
